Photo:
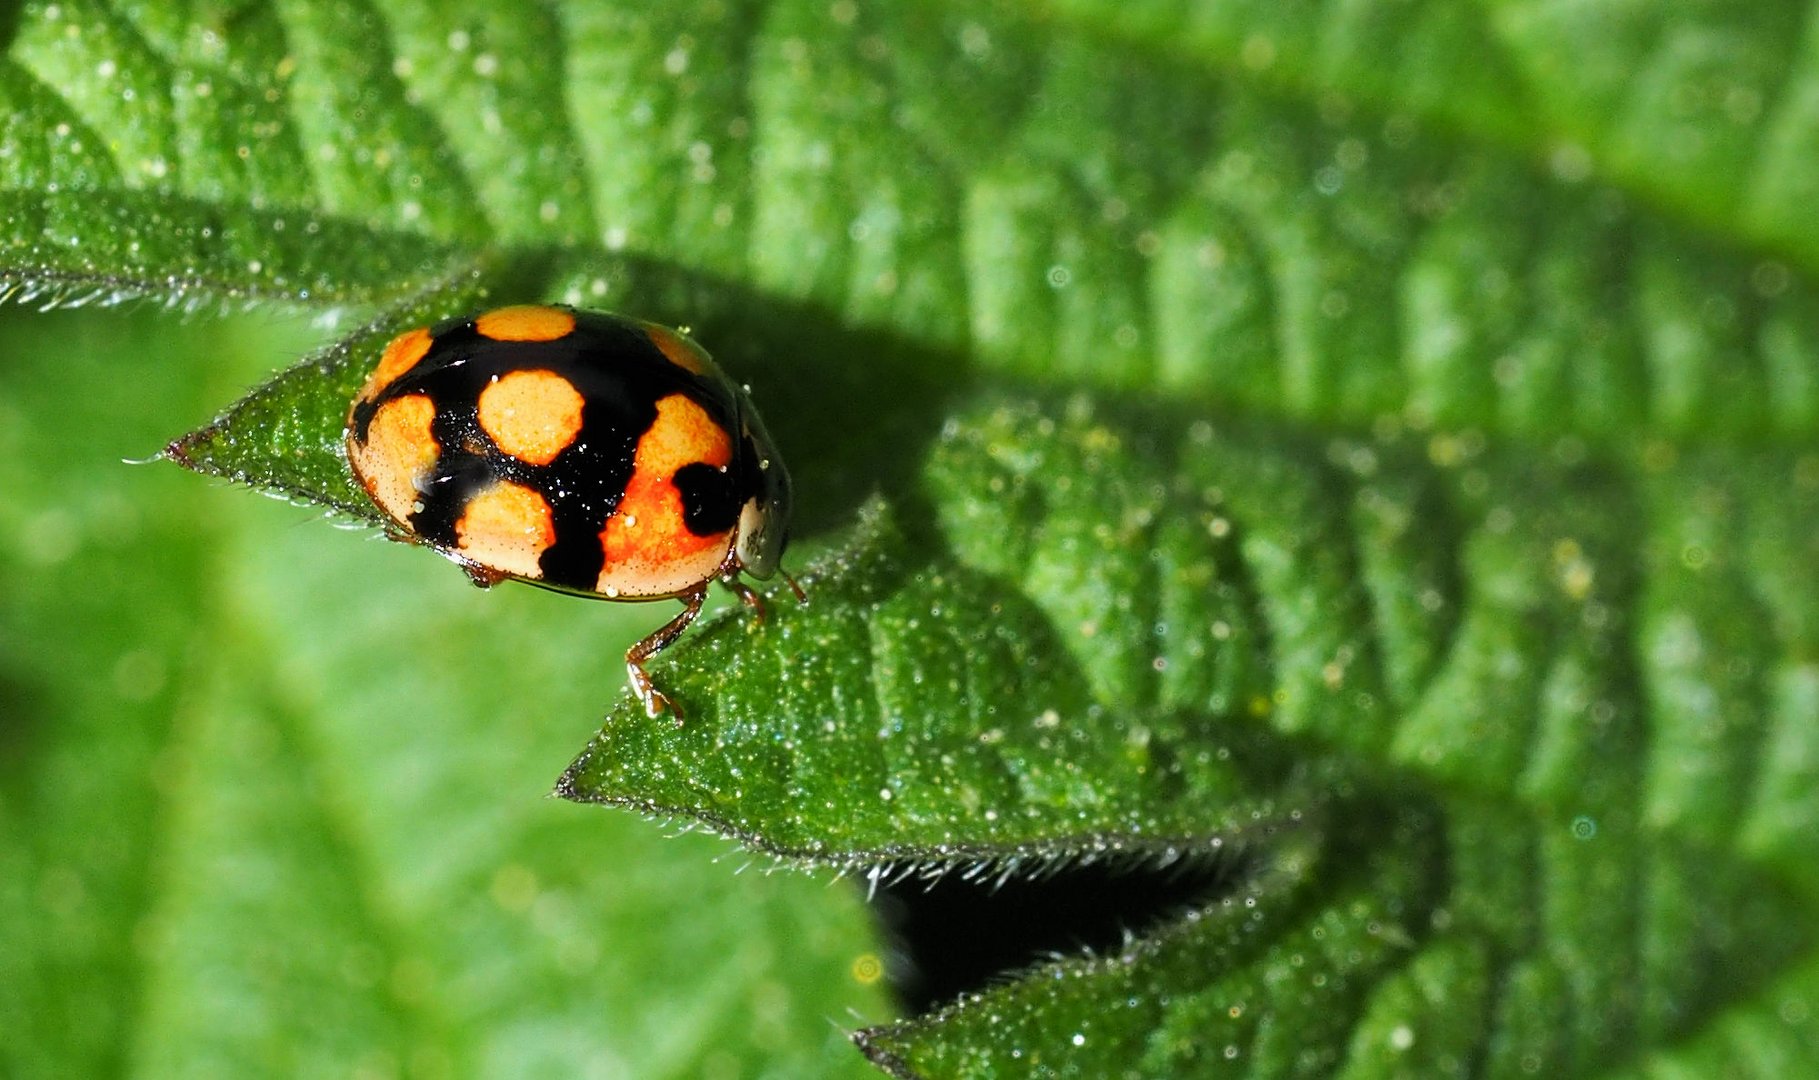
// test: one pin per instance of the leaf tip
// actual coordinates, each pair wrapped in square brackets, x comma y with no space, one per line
[568,786]
[871,1042]
[177,451]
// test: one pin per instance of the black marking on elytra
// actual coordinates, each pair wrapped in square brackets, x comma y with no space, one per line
[621,376]
[710,498]
[459,476]
[362,418]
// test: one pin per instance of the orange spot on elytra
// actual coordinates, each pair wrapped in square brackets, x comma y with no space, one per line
[400,356]
[506,527]
[680,351]
[398,453]
[526,322]
[649,548]
[531,415]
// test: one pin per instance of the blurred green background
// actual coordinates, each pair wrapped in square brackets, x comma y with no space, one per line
[272,794]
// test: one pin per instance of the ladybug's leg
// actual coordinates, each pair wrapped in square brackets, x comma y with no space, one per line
[485,577]
[655,702]
[750,596]
[746,594]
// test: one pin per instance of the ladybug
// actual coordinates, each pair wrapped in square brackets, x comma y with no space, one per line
[579,451]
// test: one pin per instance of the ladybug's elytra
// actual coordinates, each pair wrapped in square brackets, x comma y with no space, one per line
[579,451]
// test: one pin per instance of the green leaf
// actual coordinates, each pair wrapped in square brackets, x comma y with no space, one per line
[930,715]
[1294,968]
[1707,111]
[1580,806]
[1366,448]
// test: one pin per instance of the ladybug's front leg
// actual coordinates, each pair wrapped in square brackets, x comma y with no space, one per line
[655,702]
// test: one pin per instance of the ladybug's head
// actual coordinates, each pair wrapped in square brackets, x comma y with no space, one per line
[764,519]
